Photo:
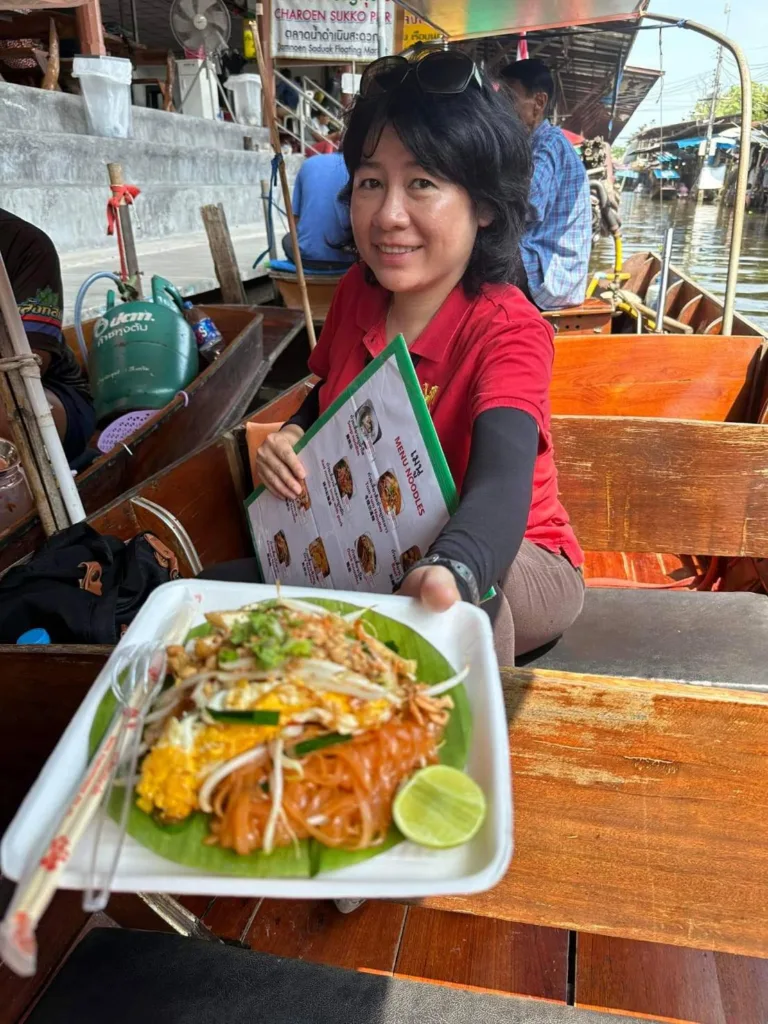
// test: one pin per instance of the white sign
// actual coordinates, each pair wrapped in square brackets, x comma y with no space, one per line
[337,30]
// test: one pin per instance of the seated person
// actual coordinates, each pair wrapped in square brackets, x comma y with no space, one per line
[33,268]
[556,246]
[322,219]
[438,196]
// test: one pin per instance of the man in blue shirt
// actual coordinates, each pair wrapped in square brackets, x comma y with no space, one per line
[323,220]
[556,247]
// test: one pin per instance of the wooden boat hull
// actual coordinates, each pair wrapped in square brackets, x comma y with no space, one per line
[687,303]
[217,399]
[620,801]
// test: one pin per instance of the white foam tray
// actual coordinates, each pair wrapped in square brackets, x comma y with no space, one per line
[463,635]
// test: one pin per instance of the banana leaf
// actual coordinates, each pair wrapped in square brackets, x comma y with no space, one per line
[184,843]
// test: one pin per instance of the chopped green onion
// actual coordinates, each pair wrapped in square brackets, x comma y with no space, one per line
[298,648]
[392,646]
[227,655]
[256,716]
[319,742]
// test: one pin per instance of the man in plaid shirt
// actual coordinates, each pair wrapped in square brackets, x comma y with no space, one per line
[556,247]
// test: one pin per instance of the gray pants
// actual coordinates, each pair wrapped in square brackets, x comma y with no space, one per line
[540,597]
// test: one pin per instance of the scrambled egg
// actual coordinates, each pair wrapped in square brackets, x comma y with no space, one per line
[189,749]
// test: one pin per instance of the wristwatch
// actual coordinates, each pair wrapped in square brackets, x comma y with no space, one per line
[461,571]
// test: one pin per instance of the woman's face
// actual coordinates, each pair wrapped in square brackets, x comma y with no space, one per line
[414,230]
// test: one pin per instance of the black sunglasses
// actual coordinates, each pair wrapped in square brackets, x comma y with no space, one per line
[443,72]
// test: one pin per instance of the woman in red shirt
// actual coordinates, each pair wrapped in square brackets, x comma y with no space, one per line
[439,169]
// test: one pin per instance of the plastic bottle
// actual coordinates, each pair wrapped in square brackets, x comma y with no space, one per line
[15,496]
[210,343]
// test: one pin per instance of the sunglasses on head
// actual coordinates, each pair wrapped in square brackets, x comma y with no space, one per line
[442,72]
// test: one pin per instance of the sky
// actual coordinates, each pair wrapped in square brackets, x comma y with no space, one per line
[688,59]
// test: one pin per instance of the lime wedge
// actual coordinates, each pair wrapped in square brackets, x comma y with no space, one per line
[439,807]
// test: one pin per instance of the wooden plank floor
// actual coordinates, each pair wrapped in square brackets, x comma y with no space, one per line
[672,983]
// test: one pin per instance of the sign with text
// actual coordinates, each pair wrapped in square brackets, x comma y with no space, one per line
[417,31]
[336,30]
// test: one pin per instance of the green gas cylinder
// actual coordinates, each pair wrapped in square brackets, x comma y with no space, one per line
[142,353]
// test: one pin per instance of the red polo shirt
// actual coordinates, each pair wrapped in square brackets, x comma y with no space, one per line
[492,351]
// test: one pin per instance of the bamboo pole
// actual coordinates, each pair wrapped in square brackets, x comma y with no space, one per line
[21,441]
[36,412]
[267,85]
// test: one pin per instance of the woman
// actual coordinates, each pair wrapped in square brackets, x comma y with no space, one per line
[439,168]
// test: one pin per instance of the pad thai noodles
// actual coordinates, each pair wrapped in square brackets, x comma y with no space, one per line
[289,722]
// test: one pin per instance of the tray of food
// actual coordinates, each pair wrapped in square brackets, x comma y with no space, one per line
[305,744]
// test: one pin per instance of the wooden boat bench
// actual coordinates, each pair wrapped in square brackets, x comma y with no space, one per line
[128,976]
[641,801]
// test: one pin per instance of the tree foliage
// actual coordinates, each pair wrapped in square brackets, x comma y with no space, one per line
[730,103]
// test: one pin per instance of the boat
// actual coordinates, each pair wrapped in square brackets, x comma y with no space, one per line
[618,754]
[639,797]
[255,336]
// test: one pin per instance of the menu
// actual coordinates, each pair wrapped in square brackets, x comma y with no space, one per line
[378,488]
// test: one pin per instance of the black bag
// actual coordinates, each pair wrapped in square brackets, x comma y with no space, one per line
[83,588]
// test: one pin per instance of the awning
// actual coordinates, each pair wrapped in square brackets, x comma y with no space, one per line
[626,172]
[666,175]
[695,143]
[462,19]
[573,137]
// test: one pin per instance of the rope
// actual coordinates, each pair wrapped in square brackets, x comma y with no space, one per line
[277,159]
[29,366]
[122,195]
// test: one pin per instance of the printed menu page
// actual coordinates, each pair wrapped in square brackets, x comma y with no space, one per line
[378,489]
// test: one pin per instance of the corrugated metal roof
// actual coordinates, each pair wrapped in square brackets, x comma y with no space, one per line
[586,63]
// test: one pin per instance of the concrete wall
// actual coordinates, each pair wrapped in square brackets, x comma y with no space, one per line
[53,174]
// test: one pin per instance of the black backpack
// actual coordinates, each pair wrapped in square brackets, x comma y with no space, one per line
[83,588]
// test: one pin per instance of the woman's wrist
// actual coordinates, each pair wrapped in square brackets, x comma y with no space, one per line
[466,581]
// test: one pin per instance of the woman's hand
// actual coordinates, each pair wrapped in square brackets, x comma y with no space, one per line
[278,465]
[434,585]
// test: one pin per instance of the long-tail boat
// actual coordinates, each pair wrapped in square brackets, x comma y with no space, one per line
[638,740]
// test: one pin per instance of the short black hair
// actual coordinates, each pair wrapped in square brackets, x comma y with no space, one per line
[473,139]
[532,74]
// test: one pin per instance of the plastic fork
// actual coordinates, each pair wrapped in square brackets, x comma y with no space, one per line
[138,676]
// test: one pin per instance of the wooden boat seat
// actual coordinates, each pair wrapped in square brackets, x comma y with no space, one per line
[149,976]
[593,316]
[686,636]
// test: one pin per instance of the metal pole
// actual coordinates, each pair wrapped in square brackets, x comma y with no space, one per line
[135,20]
[737,230]
[381,27]
[666,259]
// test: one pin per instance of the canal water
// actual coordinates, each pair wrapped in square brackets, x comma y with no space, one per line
[700,246]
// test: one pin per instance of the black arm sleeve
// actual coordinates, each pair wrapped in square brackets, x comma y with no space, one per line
[308,411]
[487,529]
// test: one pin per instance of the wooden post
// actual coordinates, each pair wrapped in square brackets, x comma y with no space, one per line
[51,79]
[268,88]
[126,230]
[170,78]
[223,253]
[90,30]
